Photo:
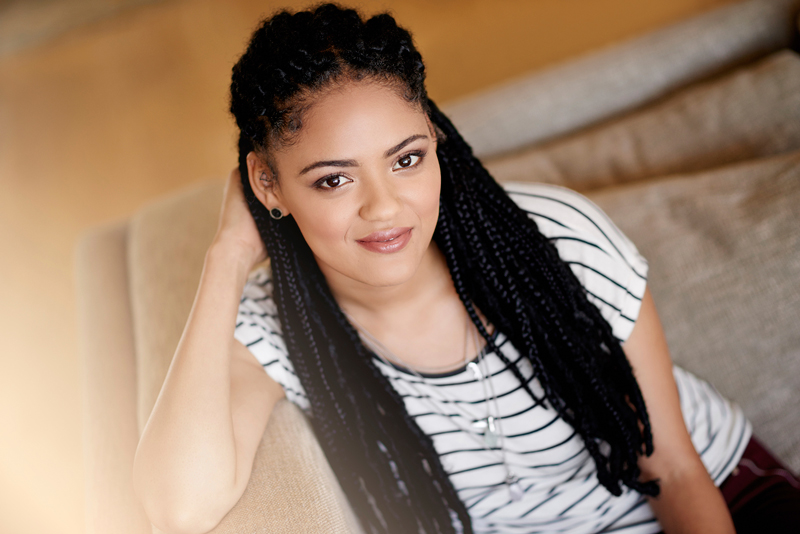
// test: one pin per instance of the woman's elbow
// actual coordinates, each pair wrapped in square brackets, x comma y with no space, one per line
[172,517]
[176,508]
[178,521]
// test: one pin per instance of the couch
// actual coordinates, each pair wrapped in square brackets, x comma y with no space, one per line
[689,138]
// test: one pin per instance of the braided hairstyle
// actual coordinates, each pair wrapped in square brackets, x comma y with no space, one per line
[498,260]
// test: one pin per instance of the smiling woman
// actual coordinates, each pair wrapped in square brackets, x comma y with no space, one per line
[473,359]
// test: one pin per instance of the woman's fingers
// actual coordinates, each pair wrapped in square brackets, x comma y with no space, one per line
[234,196]
[236,225]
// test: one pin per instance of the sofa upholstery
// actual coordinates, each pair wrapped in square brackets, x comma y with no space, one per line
[724,253]
[719,228]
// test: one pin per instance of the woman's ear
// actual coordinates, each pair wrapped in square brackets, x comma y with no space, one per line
[264,182]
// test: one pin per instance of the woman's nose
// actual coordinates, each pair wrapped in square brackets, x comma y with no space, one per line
[380,201]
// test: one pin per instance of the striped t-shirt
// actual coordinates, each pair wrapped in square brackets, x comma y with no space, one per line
[557,474]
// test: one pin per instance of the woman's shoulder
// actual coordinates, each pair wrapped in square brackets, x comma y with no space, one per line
[259,283]
[571,220]
[556,209]
[257,319]
[603,259]
[258,287]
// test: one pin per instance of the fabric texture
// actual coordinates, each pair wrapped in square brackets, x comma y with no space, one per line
[292,488]
[594,87]
[540,450]
[724,250]
[750,113]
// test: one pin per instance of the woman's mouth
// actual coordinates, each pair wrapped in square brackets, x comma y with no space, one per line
[386,241]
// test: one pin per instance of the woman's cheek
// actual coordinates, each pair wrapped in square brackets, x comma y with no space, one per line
[321,227]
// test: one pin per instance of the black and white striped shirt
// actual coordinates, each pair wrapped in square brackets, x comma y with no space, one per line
[557,474]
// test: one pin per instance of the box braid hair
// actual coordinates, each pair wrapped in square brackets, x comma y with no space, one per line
[499,263]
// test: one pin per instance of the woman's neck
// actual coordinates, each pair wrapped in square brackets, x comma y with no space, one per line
[421,321]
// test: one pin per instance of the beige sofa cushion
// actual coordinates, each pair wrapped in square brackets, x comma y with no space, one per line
[752,112]
[724,253]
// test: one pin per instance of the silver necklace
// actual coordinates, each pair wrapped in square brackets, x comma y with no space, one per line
[491,426]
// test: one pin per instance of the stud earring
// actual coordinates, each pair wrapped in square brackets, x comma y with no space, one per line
[276,213]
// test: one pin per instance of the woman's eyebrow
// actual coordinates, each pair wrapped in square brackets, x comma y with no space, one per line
[330,163]
[353,163]
[397,148]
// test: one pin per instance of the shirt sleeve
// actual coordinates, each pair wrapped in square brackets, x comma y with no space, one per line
[258,328]
[603,259]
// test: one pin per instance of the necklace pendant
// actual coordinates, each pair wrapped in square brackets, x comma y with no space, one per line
[491,435]
[476,371]
[514,489]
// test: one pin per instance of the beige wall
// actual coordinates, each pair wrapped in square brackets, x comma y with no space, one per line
[97,121]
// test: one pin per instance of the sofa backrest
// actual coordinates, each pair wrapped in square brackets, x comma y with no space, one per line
[574,94]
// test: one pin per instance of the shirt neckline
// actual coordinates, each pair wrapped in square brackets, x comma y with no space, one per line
[462,368]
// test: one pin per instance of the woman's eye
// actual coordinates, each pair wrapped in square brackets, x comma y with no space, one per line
[407,161]
[332,182]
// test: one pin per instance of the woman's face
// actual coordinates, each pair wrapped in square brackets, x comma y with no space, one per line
[362,182]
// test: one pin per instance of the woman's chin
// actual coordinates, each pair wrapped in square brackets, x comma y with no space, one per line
[387,276]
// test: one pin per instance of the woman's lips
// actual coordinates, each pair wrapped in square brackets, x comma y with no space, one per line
[386,241]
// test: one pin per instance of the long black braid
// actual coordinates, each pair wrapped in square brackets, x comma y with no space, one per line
[499,263]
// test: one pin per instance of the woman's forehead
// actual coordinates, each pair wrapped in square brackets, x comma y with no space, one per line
[356,117]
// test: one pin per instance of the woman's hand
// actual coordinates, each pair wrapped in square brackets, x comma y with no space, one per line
[237,232]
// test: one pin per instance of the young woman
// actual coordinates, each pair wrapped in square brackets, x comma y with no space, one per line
[473,359]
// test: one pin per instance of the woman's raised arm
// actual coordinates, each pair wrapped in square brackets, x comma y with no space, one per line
[196,452]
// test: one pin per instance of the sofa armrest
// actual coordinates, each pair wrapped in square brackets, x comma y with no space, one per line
[108,367]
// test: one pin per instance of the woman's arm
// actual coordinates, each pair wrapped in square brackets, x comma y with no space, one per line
[196,452]
[689,501]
